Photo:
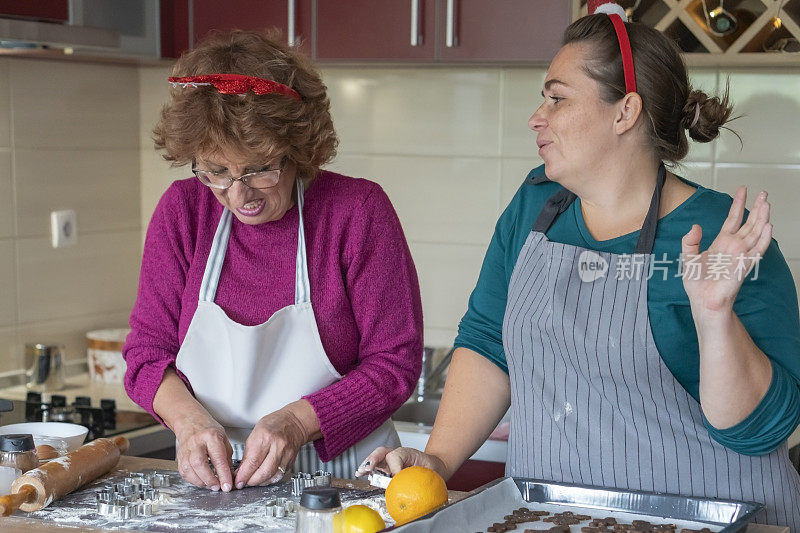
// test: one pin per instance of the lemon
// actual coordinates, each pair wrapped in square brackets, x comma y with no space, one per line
[358,519]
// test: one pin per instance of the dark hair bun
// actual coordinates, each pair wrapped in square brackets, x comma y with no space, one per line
[714,113]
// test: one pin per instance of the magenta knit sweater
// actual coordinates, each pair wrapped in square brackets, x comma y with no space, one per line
[364,291]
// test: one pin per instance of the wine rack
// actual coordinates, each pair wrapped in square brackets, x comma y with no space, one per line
[722,32]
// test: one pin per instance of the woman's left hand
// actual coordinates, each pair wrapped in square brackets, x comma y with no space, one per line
[271,448]
[712,278]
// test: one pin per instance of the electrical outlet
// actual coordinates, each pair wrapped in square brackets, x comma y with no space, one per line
[63,228]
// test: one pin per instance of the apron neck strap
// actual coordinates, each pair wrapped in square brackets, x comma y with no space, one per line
[302,287]
[647,236]
[562,199]
[208,287]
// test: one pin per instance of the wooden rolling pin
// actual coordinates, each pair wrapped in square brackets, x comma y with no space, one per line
[38,488]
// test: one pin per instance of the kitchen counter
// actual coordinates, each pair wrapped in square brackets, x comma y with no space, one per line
[17,523]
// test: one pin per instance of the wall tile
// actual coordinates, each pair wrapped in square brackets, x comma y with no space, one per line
[7,196]
[74,105]
[521,97]
[705,80]
[794,266]
[8,284]
[782,184]
[70,332]
[438,199]
[447,276]
[5,105]
[99,274]
[157,176]
[440,337]
[700,173]
[515,170]
[153,94]
[10,355]
[102,186]
[769,103]
[416,111]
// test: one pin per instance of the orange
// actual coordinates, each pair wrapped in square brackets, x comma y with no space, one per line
[413,492]
[358,519]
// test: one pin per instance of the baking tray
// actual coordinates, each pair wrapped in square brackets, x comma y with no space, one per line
[729,515]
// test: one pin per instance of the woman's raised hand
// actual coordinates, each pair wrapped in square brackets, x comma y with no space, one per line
[712,278]
[198,440]
[394,460]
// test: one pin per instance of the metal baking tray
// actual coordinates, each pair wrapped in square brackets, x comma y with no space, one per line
[730,515]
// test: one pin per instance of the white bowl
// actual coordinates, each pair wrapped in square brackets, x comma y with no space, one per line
[72,434]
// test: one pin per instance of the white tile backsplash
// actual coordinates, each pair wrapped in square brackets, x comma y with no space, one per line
[64,104]
[71,332]
[5,105]
[416,111]
[782,184]
[447,275]
[99,274]
[102,186]
[515,170]
[8,283]
[10,355]
[769,107]
[522,96]
[7,195]
[700,173]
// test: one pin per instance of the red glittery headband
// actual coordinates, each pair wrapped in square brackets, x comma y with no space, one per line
[616,13]
[235,84]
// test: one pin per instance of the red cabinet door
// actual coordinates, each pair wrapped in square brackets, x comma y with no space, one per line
[359,30]
[507,31]
[208,15]
[46,10]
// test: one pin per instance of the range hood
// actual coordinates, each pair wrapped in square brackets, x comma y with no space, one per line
[56,35]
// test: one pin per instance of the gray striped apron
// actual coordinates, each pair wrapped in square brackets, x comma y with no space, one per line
[593,403]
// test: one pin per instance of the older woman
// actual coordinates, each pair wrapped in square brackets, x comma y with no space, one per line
[278,304]
[620,371]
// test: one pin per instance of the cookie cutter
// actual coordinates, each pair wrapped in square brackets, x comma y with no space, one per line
[280,507]
[301,480]
[379,479]
[126,500]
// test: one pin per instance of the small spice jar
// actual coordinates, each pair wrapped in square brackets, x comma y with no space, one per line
[317,509]
[17,456]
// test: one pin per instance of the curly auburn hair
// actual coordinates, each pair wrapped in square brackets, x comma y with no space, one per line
[201,121]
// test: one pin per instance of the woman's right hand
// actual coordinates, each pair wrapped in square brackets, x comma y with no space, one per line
[199,440]
[394,460]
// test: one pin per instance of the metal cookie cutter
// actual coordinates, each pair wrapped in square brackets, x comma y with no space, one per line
[302,480]
[379,479]
[280,507]
[126,500]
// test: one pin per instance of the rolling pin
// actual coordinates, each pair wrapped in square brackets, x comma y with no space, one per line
[38,488]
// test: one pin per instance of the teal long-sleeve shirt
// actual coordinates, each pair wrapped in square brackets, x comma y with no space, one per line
[766,304]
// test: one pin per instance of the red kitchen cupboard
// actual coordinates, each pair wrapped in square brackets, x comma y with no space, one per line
[375,30]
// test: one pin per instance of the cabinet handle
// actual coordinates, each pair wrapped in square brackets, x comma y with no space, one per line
[290,31]
[416,37]
[451,38]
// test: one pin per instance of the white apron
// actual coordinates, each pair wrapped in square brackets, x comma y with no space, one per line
[241,373]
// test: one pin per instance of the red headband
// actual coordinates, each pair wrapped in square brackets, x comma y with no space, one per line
[613,11]
[235,84]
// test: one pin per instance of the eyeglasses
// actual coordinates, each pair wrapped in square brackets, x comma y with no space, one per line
[222,179]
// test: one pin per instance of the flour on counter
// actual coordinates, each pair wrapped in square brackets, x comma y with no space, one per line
[183,507]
